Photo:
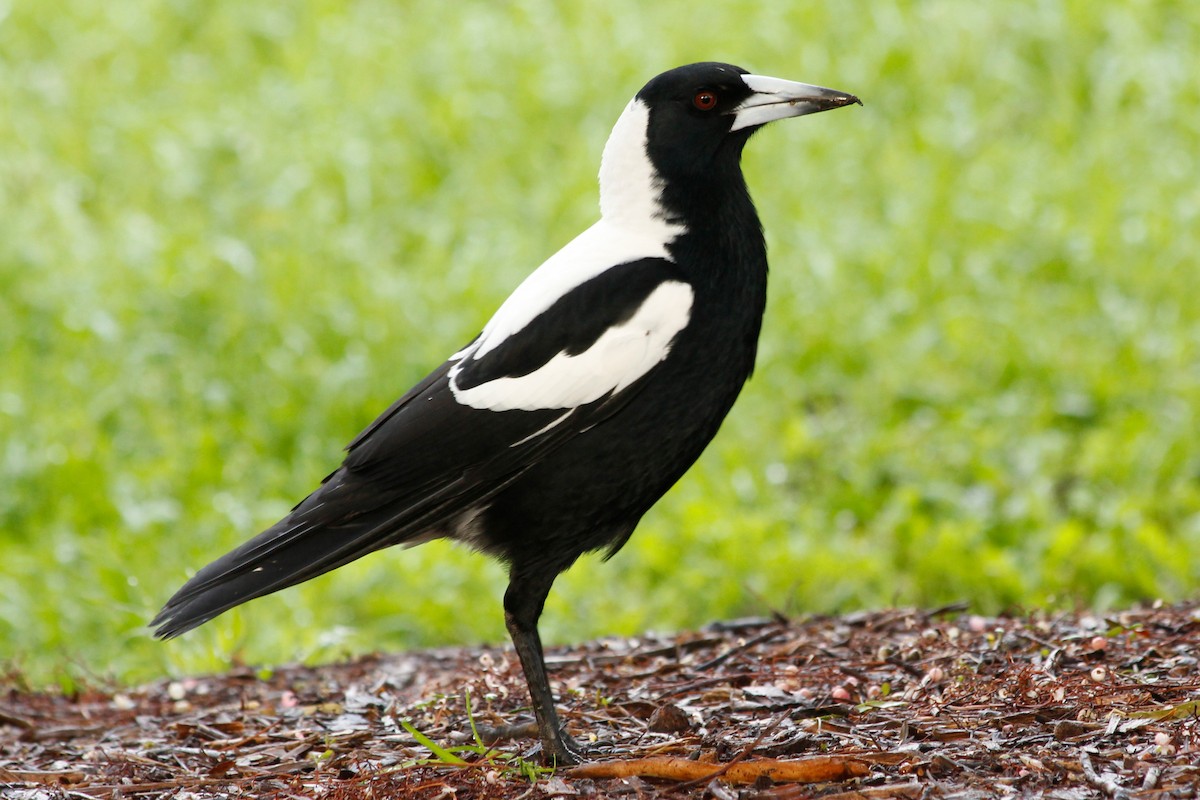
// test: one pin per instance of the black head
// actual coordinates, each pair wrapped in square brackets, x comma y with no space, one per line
[701,115]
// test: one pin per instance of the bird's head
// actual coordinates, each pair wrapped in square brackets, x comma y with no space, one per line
[692,121]
[698,110]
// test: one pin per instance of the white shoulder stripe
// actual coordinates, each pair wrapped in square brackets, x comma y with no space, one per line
[616,360]
[597,249]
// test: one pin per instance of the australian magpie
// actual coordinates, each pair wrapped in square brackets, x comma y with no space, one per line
[592,389]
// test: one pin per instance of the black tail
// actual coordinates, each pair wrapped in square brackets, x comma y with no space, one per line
[335,525]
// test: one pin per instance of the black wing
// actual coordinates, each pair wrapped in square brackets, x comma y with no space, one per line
[425,460]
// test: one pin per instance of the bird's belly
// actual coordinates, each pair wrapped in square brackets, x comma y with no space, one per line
[590,493]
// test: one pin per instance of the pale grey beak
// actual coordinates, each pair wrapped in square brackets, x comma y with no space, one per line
[775,98]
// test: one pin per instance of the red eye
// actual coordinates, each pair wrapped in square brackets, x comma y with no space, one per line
[705,100]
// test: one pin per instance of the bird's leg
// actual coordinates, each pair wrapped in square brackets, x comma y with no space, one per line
[522,606]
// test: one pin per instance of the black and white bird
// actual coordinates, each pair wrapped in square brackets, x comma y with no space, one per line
[588,394]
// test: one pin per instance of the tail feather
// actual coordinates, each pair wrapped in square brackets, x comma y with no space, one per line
[326,531]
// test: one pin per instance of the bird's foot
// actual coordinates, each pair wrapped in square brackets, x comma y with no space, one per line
[563,751]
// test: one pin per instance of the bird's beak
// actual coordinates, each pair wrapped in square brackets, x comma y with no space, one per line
[775,98]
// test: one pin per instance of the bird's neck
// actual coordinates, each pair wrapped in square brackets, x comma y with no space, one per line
[708,213]
[722,228]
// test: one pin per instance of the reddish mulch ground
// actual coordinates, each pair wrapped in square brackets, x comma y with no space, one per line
[890,704]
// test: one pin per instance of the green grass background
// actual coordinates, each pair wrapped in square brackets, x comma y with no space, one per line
[231,233]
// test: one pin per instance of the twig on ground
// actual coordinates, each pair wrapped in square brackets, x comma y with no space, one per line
[1097,781]
[816,769]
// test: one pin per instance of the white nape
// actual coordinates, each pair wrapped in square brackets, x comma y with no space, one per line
[630,186]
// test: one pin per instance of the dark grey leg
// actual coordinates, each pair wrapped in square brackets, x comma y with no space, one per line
[522,606]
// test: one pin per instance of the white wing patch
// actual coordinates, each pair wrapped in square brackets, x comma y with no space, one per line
[616,360]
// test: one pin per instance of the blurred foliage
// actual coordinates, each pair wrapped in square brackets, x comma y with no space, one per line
[231,233]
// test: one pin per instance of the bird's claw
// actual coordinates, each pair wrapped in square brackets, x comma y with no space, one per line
[561,750]
[565,751]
